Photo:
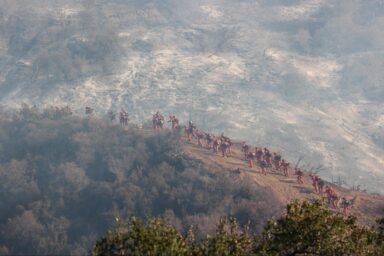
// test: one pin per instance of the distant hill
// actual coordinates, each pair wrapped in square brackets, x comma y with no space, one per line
[64,181]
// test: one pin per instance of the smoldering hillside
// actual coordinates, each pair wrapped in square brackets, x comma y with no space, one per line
[300,76]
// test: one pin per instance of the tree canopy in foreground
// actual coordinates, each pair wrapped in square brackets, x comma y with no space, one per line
[307,228]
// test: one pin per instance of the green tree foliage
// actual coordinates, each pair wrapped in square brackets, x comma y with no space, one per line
[380,236]
[155,237]
[66,179]
[312,229]
[229,239]
[306,229]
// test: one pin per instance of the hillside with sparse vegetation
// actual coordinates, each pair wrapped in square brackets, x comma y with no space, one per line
[64,180]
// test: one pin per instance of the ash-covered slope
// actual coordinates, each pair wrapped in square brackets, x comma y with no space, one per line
[303,77]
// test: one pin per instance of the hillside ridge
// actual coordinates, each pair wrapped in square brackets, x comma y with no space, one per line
[366,207]
[298,71]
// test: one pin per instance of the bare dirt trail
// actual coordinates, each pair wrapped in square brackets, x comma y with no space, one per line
[367,207]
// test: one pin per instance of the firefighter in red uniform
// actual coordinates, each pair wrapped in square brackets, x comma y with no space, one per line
[123,118]
[276,161]
[300,175]
[346,204]
[190,130]
[251,159]
[259,154]
[245,149]
[209,140]
[334,199]
[268,158]
[229,146]
[200,137]
[320,184]
[154,121]
[224,148]
[285,166]
[329,192]
[216,144]
[314,182]
[174,121]
[263,166]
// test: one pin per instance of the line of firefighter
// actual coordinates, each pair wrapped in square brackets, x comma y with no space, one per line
[262,156]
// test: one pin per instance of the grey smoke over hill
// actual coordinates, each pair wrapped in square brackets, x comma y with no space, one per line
[300,76]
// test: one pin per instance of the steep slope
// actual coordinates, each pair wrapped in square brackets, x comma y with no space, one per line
[367,207]
[303,76]
[65,180]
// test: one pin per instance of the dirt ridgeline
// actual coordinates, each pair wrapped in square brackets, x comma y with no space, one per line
[367,207]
